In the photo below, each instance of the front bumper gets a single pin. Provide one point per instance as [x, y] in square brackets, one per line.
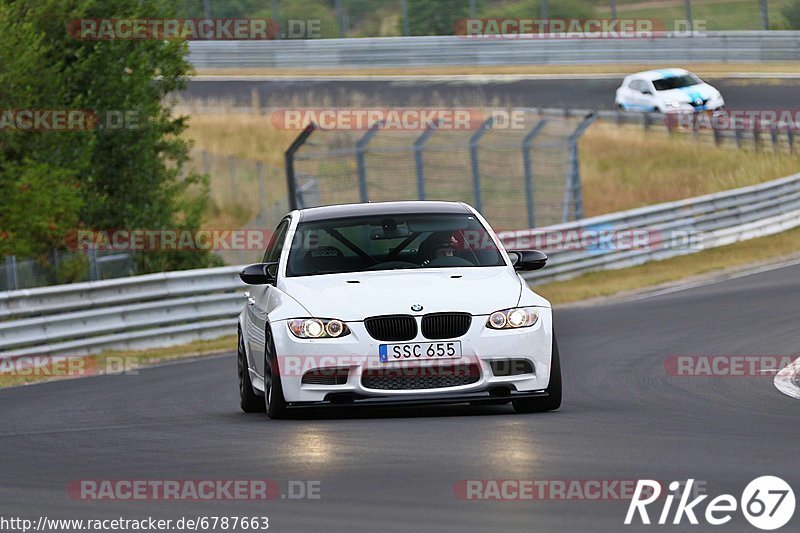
[487, 397]
[359, 353]
[712, 104]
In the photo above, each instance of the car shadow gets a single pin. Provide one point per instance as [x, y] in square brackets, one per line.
[371, 412]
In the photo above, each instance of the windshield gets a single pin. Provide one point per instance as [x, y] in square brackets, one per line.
[391, 242]
[676, 82]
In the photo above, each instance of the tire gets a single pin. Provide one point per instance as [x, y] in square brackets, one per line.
[273, 389]
[249, 400]
[553, 399]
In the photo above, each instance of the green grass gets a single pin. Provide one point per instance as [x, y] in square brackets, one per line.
[718, 14]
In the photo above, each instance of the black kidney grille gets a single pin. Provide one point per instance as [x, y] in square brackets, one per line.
[445, 325]
[415, 378]
[391, 327]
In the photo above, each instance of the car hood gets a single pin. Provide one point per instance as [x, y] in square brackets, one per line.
[355, 296]
[686, 95]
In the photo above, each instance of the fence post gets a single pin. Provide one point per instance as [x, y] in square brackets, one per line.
[738, 133]
[262, 195]
[361, 148]
[288, 158]
[419, 164]
[773, 132]
[717, 134]
[11, 272]
[232, 176]
[687, 12]
[790, 138]
[255, 101]
[527, 143]
[54, 261]
[574, 193]
[91, 255]
[473, 156]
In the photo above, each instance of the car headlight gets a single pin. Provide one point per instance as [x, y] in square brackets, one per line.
[318, 328]
[673, 103]
[516, 317]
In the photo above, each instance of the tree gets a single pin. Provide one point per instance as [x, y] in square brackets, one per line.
[56, 181]
[792, 13]
[435, 17]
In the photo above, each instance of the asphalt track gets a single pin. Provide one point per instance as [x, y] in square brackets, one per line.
[596, 94]
[623, 418]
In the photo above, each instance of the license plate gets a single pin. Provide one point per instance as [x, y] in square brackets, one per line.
[420, 351]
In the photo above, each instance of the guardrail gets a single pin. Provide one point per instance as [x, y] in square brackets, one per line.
[175, 307]
[401, 52]
[663, 230]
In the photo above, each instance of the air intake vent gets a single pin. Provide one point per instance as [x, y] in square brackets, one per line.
[445, 325]
[415, 378]
[511, 367]
[391, 327]
[325, 376]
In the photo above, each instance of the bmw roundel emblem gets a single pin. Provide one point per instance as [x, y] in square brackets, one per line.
[416, 307]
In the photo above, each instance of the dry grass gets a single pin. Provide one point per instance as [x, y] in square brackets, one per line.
[245, 135]
[248, 137]
[133, 359]
[610, 282]
[623, 168]
[702, 69]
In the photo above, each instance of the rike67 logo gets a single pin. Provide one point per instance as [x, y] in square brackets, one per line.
[767, 503]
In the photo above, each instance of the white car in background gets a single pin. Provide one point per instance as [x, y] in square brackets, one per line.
[394, 303]
[667, 91]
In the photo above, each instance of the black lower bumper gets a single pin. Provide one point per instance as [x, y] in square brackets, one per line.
[356, 400]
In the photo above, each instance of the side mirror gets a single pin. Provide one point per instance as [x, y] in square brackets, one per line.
[259, 274]
[527, 259]
[647, 91]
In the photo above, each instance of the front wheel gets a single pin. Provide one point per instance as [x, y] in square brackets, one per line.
[273, 389]
[553, 399]
[249, 400]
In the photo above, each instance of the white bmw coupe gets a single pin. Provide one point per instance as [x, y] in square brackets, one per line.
[399, 303]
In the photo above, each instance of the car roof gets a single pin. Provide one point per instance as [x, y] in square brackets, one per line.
[330, 212]
[660, 73]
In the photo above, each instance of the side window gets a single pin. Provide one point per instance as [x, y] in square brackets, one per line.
[637, 85]
[275, 246]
